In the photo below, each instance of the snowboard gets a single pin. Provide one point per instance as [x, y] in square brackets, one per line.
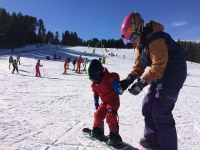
[104, 140]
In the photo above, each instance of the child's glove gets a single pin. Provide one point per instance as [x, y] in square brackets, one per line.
[137, 87]
[126, 82]
[96, 101]
[116, 86]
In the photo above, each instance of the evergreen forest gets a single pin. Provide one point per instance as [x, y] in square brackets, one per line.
[17, 30]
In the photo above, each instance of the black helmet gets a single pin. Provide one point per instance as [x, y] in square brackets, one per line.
[94, 70]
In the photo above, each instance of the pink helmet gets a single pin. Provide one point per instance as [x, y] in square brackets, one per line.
[132, 26]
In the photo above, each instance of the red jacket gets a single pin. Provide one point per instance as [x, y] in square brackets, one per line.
[54, 55]
[38, 65]
[104, 89]
[65, 64]
[79, 60]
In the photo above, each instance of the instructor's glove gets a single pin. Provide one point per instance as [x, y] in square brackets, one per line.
[137, 87]
[126, 82]
[117, 87]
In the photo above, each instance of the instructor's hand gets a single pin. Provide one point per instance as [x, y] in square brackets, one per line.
[137, 87]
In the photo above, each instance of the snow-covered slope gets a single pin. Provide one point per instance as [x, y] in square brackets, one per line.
[49, 112]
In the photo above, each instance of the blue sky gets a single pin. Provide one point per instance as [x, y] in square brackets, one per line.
[103, 18]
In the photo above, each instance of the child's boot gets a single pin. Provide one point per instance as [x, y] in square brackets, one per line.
[97, 133]
[114, 139]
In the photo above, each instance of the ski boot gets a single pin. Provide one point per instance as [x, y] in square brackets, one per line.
[144, 143]
[114, 139]
[97, 133]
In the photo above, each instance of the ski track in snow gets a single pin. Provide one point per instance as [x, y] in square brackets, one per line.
[48, 113]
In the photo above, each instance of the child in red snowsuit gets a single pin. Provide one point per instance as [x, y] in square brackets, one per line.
[78, 61]
[54, 56]
[37, 66]
[106, 86]
[65, 66]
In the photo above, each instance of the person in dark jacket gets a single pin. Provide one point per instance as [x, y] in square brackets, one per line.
[167, 74]
[10, 61]
[106, 86]
[48, 58]
[68, 59]
[15, 66]
[74, 63]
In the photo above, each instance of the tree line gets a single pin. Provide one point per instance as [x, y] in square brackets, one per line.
[17, 30]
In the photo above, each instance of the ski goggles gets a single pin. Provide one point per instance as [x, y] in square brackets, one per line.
[133, 37]
[95, 78]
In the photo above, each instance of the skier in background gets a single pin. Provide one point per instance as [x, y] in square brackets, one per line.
[37, 68]
[18, 59]
[10, 61]
[69, 59]
[15, 66]
[74, 63]
[65, 66]
[155, 49]
[84, 64]
[78, 62]
[54, 56]
[106, 86]
[48, 58]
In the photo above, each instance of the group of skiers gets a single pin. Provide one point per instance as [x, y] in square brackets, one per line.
[14, 63]
[76, 63]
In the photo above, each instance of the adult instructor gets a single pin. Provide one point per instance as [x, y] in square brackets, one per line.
[167, 73]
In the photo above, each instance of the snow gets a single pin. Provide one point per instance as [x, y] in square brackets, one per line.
[48, 113]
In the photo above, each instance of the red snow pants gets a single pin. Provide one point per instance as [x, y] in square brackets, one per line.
[37, 71]
[102, 113]
[78, 68]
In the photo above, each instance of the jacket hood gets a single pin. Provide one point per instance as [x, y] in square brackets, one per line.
[156, 27]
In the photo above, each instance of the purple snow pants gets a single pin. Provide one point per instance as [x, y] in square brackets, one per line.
[157, 109]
